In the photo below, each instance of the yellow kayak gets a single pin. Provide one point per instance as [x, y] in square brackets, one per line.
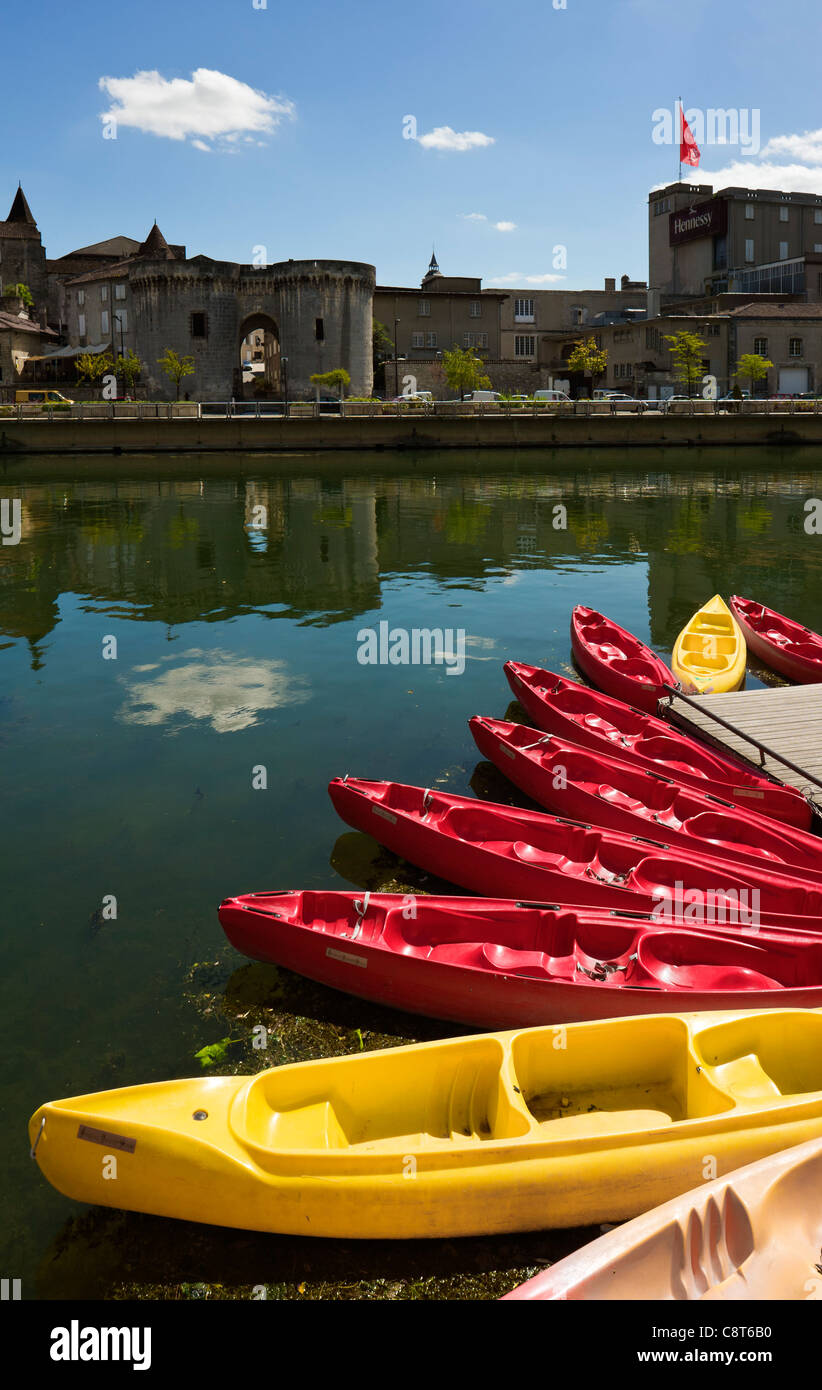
[710, 652]
[517, 1131]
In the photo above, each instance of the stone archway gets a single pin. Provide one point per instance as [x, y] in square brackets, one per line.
[259, 371]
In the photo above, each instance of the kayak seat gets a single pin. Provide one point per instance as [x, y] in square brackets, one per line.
[713, 964]
[762, 1055]
[530, 854]
[511, 962]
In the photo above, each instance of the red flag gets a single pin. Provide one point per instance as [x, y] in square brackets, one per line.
[688, 148]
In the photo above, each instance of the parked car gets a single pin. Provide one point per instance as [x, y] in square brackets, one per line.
[413, 396]
[551, 396]
[43, 396]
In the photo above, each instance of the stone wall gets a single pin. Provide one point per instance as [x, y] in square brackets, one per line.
[524, 377]
[294, 294]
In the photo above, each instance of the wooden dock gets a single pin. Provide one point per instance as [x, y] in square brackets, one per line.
[787, 720]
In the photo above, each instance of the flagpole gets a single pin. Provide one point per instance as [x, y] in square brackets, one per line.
[679, 140]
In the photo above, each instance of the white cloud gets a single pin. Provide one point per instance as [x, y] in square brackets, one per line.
[228, 692]
[444, 138]
[802, 174]
[505, 226]
[473, 216]
[211, 106]
[516, 278]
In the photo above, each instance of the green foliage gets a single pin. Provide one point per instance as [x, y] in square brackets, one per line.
[463, 371]
[176, 367]
[686, 350]
[338, 377]
[214, 1053]
[752, 367]
[589, 359]
[93, 366]
[19, 291]
[382, 342]
[128, 368]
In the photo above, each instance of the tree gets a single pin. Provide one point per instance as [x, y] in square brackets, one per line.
[176, 367]
[463, 371]
[93, 366]
[589, 359]
[686, 350]
[382, 342]
[129, 368]
[19, 291]
[338, 377]
[752, 366]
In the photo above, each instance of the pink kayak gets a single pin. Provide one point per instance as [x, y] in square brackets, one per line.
[589, 786]
[617, 662]
[503, 851]
[586, 717]
[784, 645]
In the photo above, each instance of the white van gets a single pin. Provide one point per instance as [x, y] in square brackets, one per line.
[551, 396]
[486, 396]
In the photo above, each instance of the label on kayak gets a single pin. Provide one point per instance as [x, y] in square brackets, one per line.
[509, 752]
[346, 957]
[105, 1137]
[749, 791]
[386, 815]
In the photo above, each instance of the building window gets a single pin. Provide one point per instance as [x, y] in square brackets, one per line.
[104, 322]
[81, 324]
[198, 325]
[749, 249]
[524, 346]
[424, 307]
[119, 291]
[817, 216]
[104, 294]
[431, 340]
[477, 340]
[795, 347]
[476, 309]
[121, 319]
[319, 330]
[761, 347]
[81, 297]
[524, 310]
[749, 212]
[783, 250]
[783, 214]
[417, 340]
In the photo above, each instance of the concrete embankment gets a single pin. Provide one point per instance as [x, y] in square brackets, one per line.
[273, 435]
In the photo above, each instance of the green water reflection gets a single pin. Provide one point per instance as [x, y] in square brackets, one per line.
[236, 647]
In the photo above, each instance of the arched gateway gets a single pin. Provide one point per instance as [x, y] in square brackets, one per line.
[318, 314]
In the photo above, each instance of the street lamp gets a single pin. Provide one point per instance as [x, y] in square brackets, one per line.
[118, 319]
[396, 362]
[284, 365]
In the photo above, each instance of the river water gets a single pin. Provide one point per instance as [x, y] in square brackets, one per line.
[236, 646]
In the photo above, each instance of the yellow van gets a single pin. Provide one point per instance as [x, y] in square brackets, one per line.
[43, 396]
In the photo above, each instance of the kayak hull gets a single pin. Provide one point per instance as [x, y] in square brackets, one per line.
[779, 642]
[756, 1233]
[594, 720]
[710, 655]
[616, 661]
[498, 964]
[503, 851]
[497, 1132]
[589, 786]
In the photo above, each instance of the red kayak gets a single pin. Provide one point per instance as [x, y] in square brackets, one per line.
[589, 786]
[618, 662]
[499, 964]
[787, 647]
[590, 719]
[503, 851]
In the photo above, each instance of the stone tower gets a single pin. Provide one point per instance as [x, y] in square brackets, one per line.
[22, 255]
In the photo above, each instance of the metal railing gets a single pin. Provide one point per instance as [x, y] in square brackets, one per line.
[301, 410]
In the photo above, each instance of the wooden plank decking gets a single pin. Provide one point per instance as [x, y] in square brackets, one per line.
[787, 719]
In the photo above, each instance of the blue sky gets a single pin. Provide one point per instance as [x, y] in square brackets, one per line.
[295, 142]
